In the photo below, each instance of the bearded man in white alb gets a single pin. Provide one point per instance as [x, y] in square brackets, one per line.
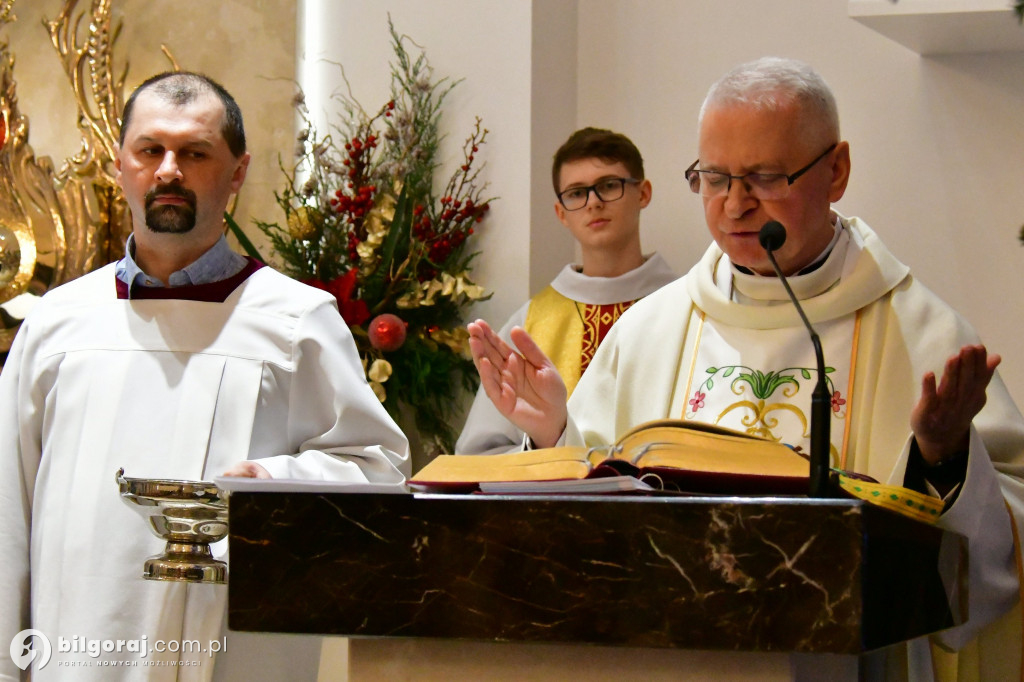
[183, 360]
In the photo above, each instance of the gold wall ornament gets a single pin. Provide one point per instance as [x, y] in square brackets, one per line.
[98, 222]
[58, 225]
[31, 221]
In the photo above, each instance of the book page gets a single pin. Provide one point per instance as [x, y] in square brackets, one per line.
[678, 445]
[608, 484]
[533, 465]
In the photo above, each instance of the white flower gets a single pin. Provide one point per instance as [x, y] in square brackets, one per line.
[367, 250]
[379, 391]
[380, 370]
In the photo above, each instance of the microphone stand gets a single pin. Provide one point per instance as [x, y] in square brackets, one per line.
[821, 400]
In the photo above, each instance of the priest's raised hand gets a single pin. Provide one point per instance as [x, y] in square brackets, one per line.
[525, 386]
[941, 420]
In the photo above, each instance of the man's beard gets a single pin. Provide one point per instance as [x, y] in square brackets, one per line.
[171, 218]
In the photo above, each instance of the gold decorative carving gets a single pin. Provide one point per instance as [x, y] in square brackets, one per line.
[58, 225]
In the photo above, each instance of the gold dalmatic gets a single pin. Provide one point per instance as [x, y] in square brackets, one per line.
[58, 225]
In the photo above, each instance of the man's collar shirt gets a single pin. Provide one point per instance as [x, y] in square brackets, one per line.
[217, 264]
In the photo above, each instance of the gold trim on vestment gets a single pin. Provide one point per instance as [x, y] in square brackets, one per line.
[848, 422]
[555, 324]
[693, 357]
[1020, 578]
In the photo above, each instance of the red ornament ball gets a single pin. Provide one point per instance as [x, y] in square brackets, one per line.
[387, 332]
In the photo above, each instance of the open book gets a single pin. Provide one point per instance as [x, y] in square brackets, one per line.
[668, 454]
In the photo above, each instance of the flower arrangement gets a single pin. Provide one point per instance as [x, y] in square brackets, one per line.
[363, 222]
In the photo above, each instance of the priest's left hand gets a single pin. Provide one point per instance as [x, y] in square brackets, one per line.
[942, 418]
[247, 469]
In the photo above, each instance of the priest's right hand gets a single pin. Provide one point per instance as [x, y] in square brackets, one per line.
[525, 386]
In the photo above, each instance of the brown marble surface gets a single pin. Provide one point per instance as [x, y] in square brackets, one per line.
[751, 574]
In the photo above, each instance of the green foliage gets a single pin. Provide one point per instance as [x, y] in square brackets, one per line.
[362, 221]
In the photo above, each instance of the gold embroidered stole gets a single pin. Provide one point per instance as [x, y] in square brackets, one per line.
[569, 332]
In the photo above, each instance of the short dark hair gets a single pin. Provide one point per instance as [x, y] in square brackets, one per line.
[598, 143]
[184, 87]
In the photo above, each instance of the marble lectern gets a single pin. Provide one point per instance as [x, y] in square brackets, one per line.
[771, 575]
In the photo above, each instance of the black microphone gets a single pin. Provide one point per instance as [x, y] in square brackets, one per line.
[772, 236]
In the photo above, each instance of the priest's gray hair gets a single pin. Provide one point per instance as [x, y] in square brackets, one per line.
[772, 83]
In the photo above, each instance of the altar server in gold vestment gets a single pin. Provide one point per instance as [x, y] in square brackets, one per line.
[915, 397]
[600, 190]
[184, 360]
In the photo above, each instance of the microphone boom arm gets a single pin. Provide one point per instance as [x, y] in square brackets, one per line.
[821, 400]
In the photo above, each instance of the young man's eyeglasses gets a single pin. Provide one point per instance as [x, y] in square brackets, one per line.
[764, 186]
[609, 189]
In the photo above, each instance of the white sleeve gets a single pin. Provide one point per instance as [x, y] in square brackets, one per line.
[979, 514]
[341, 429]
[486, 431]
[19, 460]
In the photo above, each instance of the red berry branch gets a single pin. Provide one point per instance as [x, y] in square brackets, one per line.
[365, 223]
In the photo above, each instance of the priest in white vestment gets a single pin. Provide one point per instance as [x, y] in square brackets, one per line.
[185, 361]
[725, 345]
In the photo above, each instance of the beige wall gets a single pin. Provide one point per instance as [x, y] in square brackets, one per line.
[937, 147]
[247, 45]
[936, 141]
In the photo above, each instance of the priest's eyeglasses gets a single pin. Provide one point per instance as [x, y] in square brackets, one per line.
[763, 186]
[609, 189]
